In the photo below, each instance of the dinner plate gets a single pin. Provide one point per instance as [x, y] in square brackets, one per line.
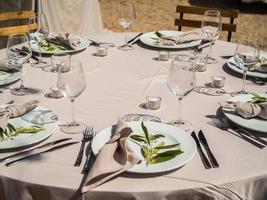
[34, 45]
[256, 124]
[172, 135]
[231, 63]
[23, 140]
[147, 38]
[9, 77]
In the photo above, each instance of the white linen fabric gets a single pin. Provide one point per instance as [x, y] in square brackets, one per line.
[82, 17]
[116, 85]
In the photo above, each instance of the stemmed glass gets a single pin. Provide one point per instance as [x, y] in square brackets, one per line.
[181, 81]
[126, 16]
[38, 35]
[19, 52]
[71, 83]
[211, 27]
[247, 54]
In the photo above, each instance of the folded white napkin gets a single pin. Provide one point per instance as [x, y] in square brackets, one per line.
[247, 109]
[114, 158]
[189, 36]
[66, 39]
[261, 66]
[13, 111]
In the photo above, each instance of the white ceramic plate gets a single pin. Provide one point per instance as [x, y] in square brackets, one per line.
[172, 135]
[256, 124]
[30, 138]
[146, 38]
[9, 77]
[231, 63]
[83, 45]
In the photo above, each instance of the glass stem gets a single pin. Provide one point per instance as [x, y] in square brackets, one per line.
[126, 36]
[210, 50]
[21, 79]
[179, 120]
[73, 122]
[244, 81]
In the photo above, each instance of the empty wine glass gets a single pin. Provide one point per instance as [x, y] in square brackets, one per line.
[211, 27]
[19, 52]
[247, 55]
[71, 83]
[38, 35]
[126, 16]
[181, 81]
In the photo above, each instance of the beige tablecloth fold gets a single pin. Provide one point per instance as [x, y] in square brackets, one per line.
[12, 111]
[249, 110]
[114, 158]
[189, 36]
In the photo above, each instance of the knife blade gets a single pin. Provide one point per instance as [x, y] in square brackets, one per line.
[204, 142]
[131, 40]
[32, 156]
[203, 157]
[34, 149]
[89, 160]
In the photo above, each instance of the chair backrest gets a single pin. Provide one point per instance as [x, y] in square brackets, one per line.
[19, 21]
[231, 14]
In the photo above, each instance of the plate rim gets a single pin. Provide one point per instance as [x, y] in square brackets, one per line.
[17, 73]
[135, 123]
[229, 116]
[36, 140]
[240, 71]
[195, 43]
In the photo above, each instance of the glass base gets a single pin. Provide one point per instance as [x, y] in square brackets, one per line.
[212, 60]
[125, 47]
[21, 91]
[73, 127]
[49, 68]
[185, 125]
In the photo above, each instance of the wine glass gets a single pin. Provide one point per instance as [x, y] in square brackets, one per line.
[247, 55]
[71, 83]
[39, 35]
[211, 27]
[126, 16]
[19, 52]
[181, 81]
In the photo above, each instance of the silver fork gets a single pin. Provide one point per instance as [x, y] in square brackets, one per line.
[241, 133]
[87, 136]
[90, 156]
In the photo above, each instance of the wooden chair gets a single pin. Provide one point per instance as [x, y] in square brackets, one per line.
[230, 27]
[19, 21]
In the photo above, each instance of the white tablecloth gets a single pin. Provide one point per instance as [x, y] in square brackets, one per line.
[117, 85]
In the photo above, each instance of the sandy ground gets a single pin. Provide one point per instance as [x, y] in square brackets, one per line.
[160, 15]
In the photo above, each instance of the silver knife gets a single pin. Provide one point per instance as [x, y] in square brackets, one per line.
[34, 149]
[32, 156]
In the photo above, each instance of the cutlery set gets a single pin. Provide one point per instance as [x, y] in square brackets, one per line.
[239, 132]
[88, 135]
[30, 154]
[201, 139]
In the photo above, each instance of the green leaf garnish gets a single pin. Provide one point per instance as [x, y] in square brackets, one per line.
[145, 132]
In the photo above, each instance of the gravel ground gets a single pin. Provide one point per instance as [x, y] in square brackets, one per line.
[160, 15]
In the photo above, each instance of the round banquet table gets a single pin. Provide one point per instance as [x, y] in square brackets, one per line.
[117, 85]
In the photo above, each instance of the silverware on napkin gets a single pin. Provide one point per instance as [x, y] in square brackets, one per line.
[32, 156]
[203, 157]
[205, 144]
[33, 149]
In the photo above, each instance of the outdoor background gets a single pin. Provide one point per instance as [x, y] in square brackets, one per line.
[160, 15]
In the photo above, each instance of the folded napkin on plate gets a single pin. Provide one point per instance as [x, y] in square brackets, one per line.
[13, 111]
[67, 40]
[261, 66]
[185, 37]
[247, 109]
[4, 66]
[114, 158]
